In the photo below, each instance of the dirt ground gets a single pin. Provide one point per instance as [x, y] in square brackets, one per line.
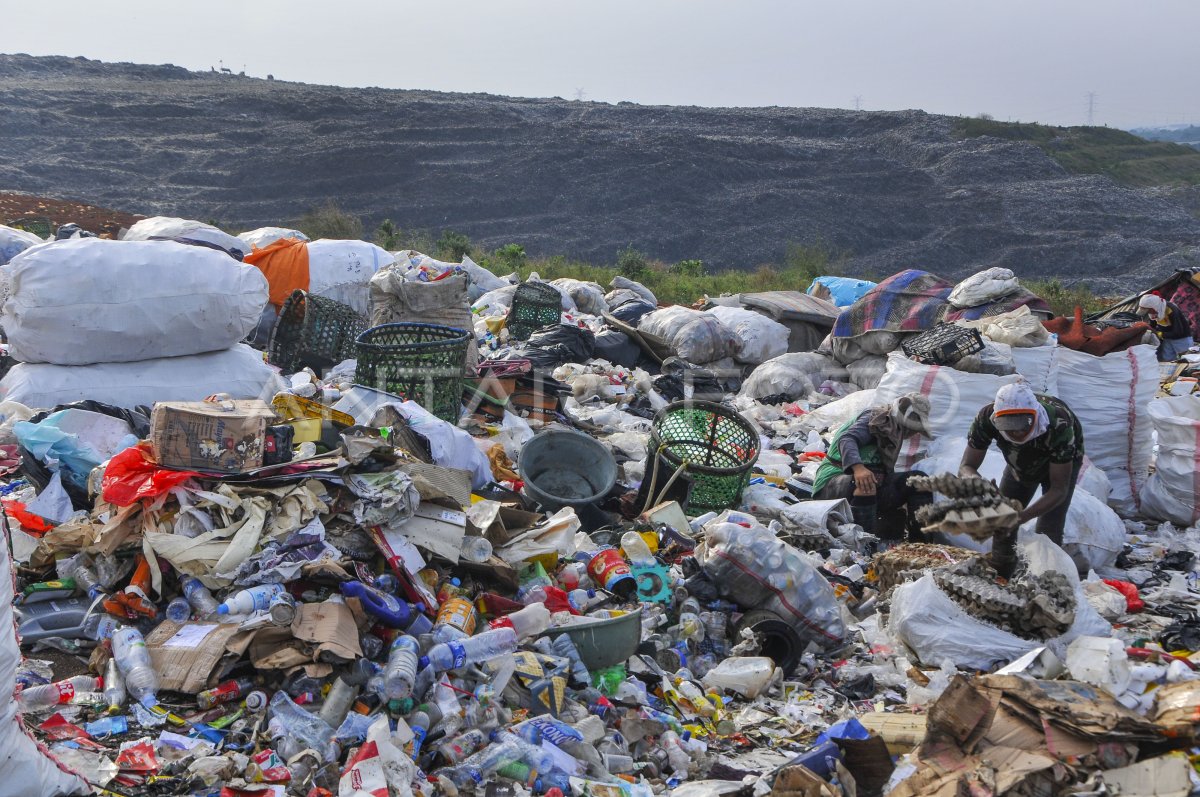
[104, 222]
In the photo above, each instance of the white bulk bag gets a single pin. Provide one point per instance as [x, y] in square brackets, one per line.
[169, 227]
[1110, 395]
[239, 371]
[1171, 491]
[265, 236]
[342, 270]
[26, 769]
[697, 337]
[983, 287]
[14, 241]
[762, 338]
[587, 296]
[89, 300]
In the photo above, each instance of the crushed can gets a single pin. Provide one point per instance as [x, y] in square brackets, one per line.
[282, 609]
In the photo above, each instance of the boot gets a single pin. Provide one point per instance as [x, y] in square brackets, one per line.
[865, 509]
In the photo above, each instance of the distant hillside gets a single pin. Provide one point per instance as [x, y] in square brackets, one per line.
[1188, 135]
[732, 187]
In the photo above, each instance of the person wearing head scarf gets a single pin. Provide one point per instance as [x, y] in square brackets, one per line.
[861, 467]
[1042, 443]
[1169, 324]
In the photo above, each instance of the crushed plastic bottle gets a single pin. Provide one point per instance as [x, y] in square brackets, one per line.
[114, 686]
[198, 596]
[141, 679]
[254, 599]
[302, 730]
[528, 622]
[47, 696]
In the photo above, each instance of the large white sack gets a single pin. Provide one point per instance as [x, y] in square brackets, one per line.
[239, 371]
[342, 270]
[835, 413]
[955, 398]
[1039, 366]
[1171, 491]
[795, 374]
[1110, 395]
[587, 296]
[935, 628]
[169, 227]
[480, 278]
[14, 241]
[696, 337]
[89, 300]
[762, 338]
[983, 287]
[26, 769]
[265, 236]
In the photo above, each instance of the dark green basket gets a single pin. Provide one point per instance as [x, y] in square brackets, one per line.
[535, 305]
[419, 362]
[38, 225]
[719, 446]
[313, 332]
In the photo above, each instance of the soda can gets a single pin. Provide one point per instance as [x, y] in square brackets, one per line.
[282, 609]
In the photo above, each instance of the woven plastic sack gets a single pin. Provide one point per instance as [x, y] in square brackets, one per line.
[168, 227]
[696, 337]
[867, 372]
[983, 287]
[794, 375]
[27, 769]
[89, 300]
[445, 303]
[1172, 493]
[14, 241]
[342, 270]
[761, 338]
[239, 371]
[263, 237]
[481, 280]
[624, 283]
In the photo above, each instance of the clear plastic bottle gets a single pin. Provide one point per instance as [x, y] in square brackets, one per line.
[636, 550]
[527, 622]
[179, 610]
[716, 631]
[39, 698]
[483, 763]
[302, 729]
[462, 746]
[419, 723]
[401, 671]
[563, 646]
[201, 600]
[253, 599]
[114, 686]
[677, 755]
[485, 646]
[141, 679]
[79, 568]
[475, 549]
[338, 702]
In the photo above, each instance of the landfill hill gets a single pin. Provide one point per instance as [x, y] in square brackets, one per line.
[731, 186]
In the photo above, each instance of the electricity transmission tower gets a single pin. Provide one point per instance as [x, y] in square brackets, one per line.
[1091, 107]
[858, 102]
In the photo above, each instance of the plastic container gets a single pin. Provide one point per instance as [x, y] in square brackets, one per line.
[47, 696]
[227, 692]
[534, 305]
[715, 446]
[564, 468]
[458, 654]
[179, 610]
[253, 599]
[636, 550]
[85, 578]
[114, 686]
[475, 549]
[303, 729]
[141, 679]
[401, 671]
[313, 332]
[424, 363]
[609, 569]
[455, 751]
[65, 619]
[201, 600]
[604, 643]
[528, 622]
[390, 610]
[338, 702]
[455, 620]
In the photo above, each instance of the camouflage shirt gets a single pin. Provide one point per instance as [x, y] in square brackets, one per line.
[1062, 443]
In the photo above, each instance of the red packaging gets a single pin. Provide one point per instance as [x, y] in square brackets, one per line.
[268, 767]
[607, 567]
[138, 758]
[490, 604]
[1133, 602]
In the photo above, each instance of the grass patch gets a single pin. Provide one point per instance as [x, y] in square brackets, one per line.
[1063, 299]
[1126, 158]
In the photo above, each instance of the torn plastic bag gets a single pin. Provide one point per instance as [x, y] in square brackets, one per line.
[14, 241]
[133, 475]
[552, 346]
[696, 337]
[449, 446]
[983, 287]
[681, 380]
[761, 338]
[588, 296]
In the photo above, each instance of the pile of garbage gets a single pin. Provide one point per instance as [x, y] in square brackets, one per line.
[296, 517]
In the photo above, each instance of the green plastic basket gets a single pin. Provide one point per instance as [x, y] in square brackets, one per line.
[38, 225]
[315, 332]
[535, 305]
[419, 362]
[718, 446]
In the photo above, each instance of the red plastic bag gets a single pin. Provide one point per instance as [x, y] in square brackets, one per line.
[133, 476]
[1133, 603]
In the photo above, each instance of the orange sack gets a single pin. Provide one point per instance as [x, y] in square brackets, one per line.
[285, 265]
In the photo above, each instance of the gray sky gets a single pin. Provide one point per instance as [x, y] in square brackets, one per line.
[1015, 59]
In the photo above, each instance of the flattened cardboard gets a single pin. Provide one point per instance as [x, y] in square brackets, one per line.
[222, 437]
[329, 628]
[187, 667]
[963, 712]
[1165, 776]
[436, 528]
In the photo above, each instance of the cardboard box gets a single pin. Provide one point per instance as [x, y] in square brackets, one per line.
[225, 437]
[185, 655]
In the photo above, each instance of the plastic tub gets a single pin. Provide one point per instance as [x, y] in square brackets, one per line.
[564, 468]
[604, 643]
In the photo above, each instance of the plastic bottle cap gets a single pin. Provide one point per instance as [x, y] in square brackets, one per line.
[222, 609]
[422, 662]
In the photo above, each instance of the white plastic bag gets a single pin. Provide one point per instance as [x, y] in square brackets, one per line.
[265, 236]
[26, 769]
[1171, 491]
[449, 446]
[698, 338]
[836, 413]
[14, 241]
[170, 227]
[90, 300]
[867, 372]
[761, 338]
[1018, 328]
[623, 283]
[341, 270]
[239, 371]
[795, 374]
[1110, 396]
[588, 296]
[983, 287]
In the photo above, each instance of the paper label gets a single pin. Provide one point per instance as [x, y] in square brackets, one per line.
[190, 636]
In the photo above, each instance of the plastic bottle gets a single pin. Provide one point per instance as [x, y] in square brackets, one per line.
[475, 549]
[114, 686]
[419, 724]
[584, 599]
[572, 576]
[141, 679]
[201, 600]
[636, 550]
[401, 671]
[227, 692]
[478, 766]
[677, 755]
[528, 622]
[252, 599]
[338, 702]
[37, 698]
[458, 749]
[303, 729]
[455, 620]
[696, 698]
[390, 610]
[77, 568]
[107, 726]
[179, 610]
[454, 655]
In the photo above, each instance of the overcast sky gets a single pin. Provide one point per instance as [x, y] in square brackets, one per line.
[1022, 60]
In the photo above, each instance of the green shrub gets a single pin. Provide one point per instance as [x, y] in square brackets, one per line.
[1063, 299]
[452, 246]
[688, 268]
[330, 221]
[510, 257]
[632, 264]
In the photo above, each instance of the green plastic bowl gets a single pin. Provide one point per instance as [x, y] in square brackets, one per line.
[605, 643]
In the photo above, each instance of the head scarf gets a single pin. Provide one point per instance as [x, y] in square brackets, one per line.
[1019, 397]
[1153, 302]
[893, 423]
